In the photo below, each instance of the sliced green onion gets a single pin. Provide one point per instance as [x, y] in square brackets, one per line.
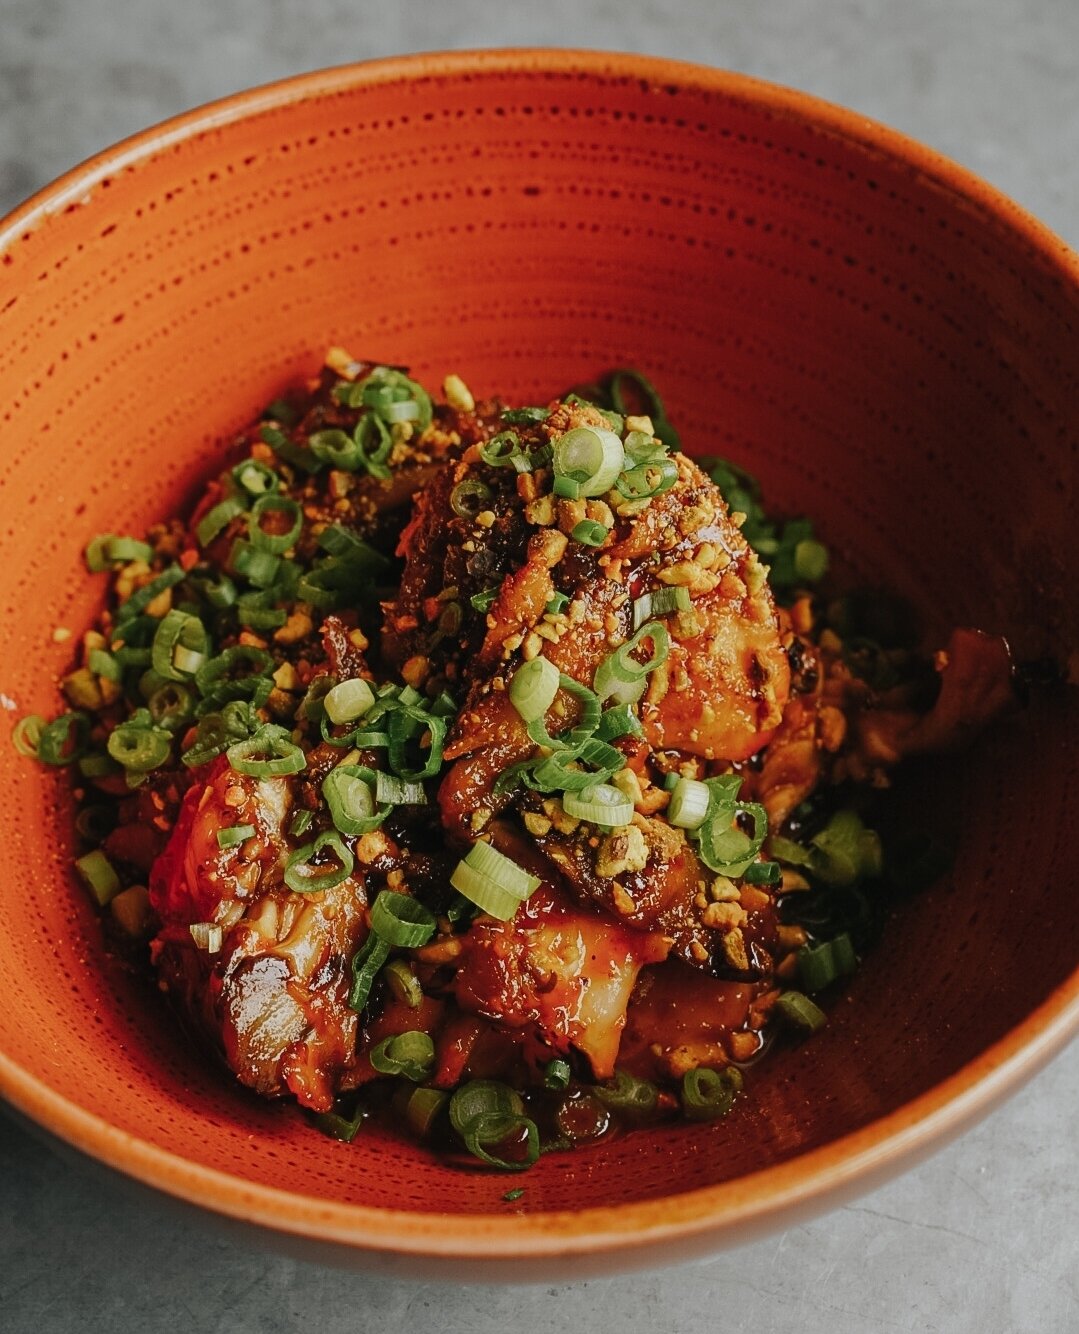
[142, 597]
[104, 664]
[490, 1130]
[402, 729]
[724, 847]
[305, 876]
[274, 542]
[181, 646]
[800, 1012]
[404, 984]
[810, 560]
[26, 734]
[556, 1075]
[648, 479]
[620, 676]
[257, 567]
[343, 1128]
[569, 487]
[218, 589]
[347, 790]
[401, 920]
[108, 551]
[171, 706]
[601, 805]
[498, 890]
[483, 602]
[709, 1094]
[259, 611]
[301, 823]
[366, 964]
[216, 520]
[208, 936]
[423, 1110]
[469, 497]
[390, 394]
[505, 872]
[267, 754]
[409, 1055]
[234, 835]
[337, 448]
[789, 852]
[619, 720]
[224, 676]
[524, 416]
[348, 700]
[288, 450]
[659, 603]
[139, 748]
[396, 791]
[99, 876]
[480, 1097]
[689, 804]
[504, 451]
[626, 1093]
[839, 850]
[533, 688]
[217, 731]
[556, 603]
[255, 478]
[591, 455]
[821, 964]
[96, 766]
[339, 541]
[590, 533]
[763, 873]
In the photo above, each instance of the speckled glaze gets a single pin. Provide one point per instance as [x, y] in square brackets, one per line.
[888, 343]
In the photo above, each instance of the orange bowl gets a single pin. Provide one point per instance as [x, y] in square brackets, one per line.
[887, 342]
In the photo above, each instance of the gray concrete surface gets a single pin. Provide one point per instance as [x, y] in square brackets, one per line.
[982, 1238]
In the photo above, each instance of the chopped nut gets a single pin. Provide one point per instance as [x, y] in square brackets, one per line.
[752, 898]
[723, 916]
[623, 850]
[743, 1046]
[341, 363]
[600, 511]
[689, 574]
[698, 951]
[540, 512]
[791, 937]
[298, 626]
[285, 677]
[624, 902]
[531, 646]
[536, 824]
[734, 948]
[160, 606]
[61, 634]
[641, 423]
[440, 951]
[371, 846]
[457, 394]
[570, 514]
[831, 728]
[565, 824]
[486, 518]
[416, 670]
[724, 890]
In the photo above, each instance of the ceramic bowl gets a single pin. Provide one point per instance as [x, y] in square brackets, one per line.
[891, 345]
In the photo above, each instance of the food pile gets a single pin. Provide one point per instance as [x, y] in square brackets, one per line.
[498, 770]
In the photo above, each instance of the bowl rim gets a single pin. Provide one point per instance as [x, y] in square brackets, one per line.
[668, 1227]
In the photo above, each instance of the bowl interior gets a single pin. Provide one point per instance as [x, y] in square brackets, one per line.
[872, 334]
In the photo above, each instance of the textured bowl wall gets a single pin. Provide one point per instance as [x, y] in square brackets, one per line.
[878, 336]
